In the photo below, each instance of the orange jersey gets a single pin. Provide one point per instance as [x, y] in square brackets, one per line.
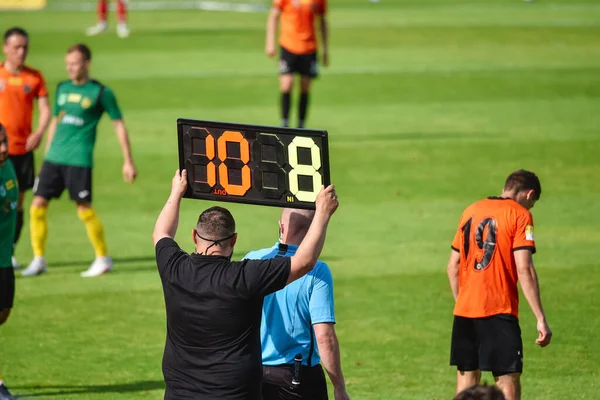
[488, 233]
[17, 93]
[297, 32]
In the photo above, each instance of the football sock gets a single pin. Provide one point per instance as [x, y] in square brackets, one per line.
[122, 11]
[95, 230]
[102, 10]
[19, 226]
[39, 230]
[285, 108]
[303, 108]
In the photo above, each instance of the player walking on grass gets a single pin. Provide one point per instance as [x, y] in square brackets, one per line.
[80, 103]
[491, 251]
[20, 85]
[102, 25]
[9, 195]
[298, 43]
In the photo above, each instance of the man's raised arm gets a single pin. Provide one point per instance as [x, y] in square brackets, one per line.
[168, 220]
[310, 249]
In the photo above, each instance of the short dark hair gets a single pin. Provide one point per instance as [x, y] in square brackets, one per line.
[15, 31]
[81, 48]
[216, 223]
[481, 392]
[524, 180]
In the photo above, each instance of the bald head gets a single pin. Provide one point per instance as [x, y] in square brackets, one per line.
[294, 225]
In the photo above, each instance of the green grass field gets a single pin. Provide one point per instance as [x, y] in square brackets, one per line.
[429, 105]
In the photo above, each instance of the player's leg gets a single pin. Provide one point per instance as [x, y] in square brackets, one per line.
[122, 29]
[464, 354]
[466, 379]
[50, 184]
[7, 295]
[7, 291]
[20, 219]
[510, 384]
[79, 185]
[38, 227]
[101, 23]
[4, 393]
[501, 352]
[305, 82]
[95, 230]
[18, 162]
[286, 83]
[25, 169]
[308, 72]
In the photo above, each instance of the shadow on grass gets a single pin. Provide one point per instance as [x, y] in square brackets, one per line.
[59, 390]
[147, 259]
[116, 260]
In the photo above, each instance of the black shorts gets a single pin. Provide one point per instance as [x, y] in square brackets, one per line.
[277, 383]
[55, 178]
[488, 344]
[7, 287]
[303, 64]
[25, 168]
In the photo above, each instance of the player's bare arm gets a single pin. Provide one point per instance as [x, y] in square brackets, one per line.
[51, 131]
[129, 170]
[531, 290]
[329, 350]
[325, 39]
[34, 140]
[310, 249]
[452, 269]
[272, 20]
[168, 220]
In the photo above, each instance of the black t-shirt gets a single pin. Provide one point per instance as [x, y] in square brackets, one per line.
[214, 309]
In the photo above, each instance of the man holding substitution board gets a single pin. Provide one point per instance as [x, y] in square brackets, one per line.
[213, 304]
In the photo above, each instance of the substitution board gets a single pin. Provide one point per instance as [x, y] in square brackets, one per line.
[253, 164]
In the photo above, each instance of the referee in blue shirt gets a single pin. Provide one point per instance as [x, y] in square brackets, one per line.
[297, 326]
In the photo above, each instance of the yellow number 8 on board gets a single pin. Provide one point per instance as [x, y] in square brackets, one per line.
[304, 169]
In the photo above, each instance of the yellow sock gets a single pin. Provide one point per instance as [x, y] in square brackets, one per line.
[39, 229]
[95, 230]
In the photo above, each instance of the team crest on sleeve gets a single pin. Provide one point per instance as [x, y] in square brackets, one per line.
[2, 85]
[529, 232]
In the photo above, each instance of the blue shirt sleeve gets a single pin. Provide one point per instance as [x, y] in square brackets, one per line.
[251, 256]
[321, 301]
